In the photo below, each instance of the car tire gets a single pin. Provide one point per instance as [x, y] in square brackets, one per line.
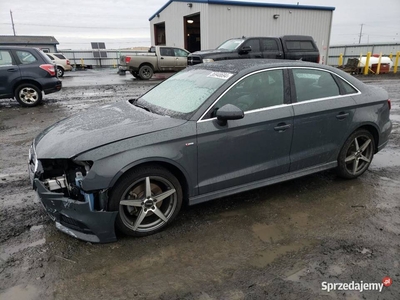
[60, 72]
[356, 154]
[28, 95]
[145, 72]
[155, 195]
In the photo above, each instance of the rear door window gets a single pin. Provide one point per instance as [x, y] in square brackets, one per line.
[25, 57]
[314, 84]
[269, 45]
[5, 58]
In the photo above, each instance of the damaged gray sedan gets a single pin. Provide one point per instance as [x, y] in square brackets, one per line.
[209, 131]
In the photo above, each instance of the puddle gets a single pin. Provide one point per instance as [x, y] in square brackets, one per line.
[386, 158]
[265, 257]
[7, 252]
[267, 233]
[395, 118]
[20, 292]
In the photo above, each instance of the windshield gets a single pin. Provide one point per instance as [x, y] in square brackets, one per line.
[183, 93]
[231, 44]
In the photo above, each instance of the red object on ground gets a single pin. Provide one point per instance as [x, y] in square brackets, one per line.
[384, 68]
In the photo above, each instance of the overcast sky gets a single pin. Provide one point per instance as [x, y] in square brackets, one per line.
[124, 23]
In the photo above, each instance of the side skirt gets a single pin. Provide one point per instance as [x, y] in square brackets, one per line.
[260, 183]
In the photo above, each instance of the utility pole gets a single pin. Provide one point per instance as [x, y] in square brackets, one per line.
[12, 22]
[359, 40]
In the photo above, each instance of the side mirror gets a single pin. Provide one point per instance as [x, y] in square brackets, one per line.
[245, 50]
[229, 112]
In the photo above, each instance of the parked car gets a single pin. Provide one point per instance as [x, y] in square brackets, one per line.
[63, 64]
[209, 131]
[295, 47]
[25, 74]
[158, 59]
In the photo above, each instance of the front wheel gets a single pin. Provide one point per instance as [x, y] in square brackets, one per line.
[28, 94]
[147, 200]
[145, 72]
[356, 154]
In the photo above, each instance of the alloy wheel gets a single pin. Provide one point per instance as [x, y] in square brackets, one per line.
[148, 204]
[28, 95]
[359, 155]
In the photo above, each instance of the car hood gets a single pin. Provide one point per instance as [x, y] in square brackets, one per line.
[211, 51]
[96, 127]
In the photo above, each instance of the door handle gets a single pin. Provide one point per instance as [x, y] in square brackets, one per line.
[342, 115]
[258, 56]
[12, 70]
[281, 127]
[177, 58]
[161, 57]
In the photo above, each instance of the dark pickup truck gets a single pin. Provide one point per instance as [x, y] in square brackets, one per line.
[295, 47]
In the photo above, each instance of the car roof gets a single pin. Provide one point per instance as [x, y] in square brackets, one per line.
[18, 48]
[238, 65]
[244, 66]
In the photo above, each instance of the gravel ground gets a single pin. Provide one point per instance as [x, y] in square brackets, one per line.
[278, 242]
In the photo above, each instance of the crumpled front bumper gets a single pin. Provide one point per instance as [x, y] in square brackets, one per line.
[75, 217]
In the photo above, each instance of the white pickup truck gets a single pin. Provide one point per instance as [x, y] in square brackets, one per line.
[158, 59]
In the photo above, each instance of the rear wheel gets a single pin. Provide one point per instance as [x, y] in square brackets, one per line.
[28, 94]
[147, 200]
[145, 72]
[60, 72]
[356, 154]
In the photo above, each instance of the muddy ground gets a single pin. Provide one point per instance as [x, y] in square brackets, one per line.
[278, 242]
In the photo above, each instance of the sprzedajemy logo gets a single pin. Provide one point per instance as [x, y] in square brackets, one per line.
[356, 286]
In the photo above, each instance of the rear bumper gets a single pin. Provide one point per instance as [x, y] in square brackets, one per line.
[75, 218]
[384, 136]
[53, 87]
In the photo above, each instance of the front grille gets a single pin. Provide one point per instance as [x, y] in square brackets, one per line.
[74, 224]
[194, 60]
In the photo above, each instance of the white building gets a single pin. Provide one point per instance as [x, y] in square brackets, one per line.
[205, 24]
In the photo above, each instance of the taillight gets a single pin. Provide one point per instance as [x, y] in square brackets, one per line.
[68, 63]
[127, 59]
[390, 104]
[49, 68]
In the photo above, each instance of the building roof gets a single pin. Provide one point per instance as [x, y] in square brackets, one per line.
[27, 39]
[243, 3]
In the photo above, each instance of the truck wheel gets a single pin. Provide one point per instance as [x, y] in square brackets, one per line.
[145, 72]
[28, 94]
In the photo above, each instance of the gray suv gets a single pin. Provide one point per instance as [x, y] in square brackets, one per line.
[26, 73]
[209, 131]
